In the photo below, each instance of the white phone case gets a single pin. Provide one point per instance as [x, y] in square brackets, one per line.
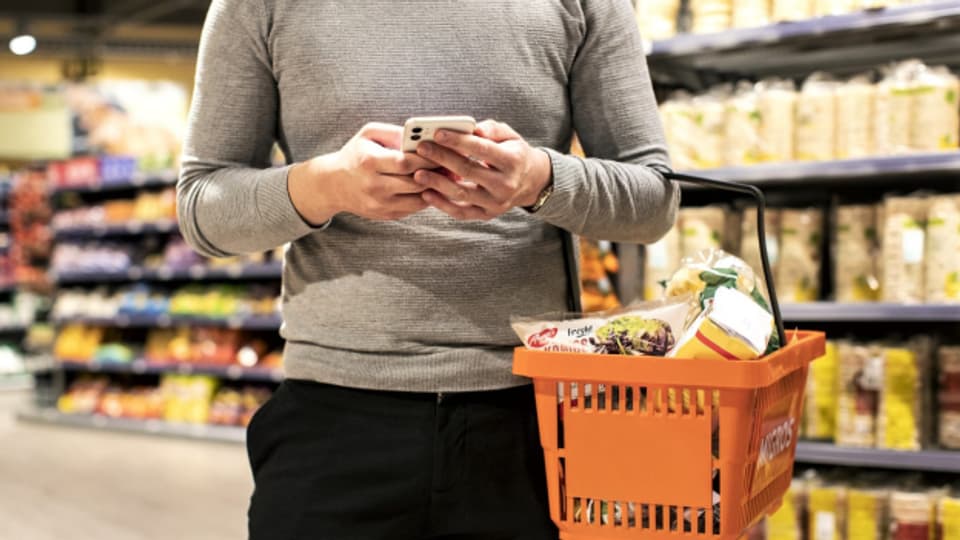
[422, 128]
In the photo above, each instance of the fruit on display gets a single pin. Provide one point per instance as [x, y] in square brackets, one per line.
[148, 206]
[597, 263]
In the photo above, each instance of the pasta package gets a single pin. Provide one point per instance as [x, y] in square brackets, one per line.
[856, 253]
[816, 119]
[866, 515]
[792, 10]
[751, 13]
[936, 117]
[657, 18]
[731, 327]
[912, 515]
[701, 229]
[942, 265]
[711, 15]
[855, 112]
[898, 421]
[798, 270]
[710, 118]
[894, 110]
[777, 102]
[904, 242]
[826, 512]
[661, 259]
[679, 124]
[743, 127]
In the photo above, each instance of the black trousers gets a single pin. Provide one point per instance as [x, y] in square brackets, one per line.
[333, 463]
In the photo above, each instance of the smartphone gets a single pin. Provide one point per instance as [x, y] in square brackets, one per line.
[422, 128]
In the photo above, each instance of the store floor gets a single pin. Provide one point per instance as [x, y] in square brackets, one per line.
[58, 483]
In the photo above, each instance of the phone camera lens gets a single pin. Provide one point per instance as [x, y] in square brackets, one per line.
[415, 138]
[417, 129]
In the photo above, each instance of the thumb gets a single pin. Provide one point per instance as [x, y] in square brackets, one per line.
[496, 131]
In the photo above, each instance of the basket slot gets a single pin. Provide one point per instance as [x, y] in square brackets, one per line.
[574, 396]
[614, 398]
[658, 517]
[674, 519]
[687, 515]
[578, 510]
[587, 396]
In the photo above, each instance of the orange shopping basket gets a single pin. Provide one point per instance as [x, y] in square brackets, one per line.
[663, 448]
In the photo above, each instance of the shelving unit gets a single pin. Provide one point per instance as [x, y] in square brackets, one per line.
[137, 181]
[250, 322]
[140, 367]
[133, 228]
[204, 432]
[271, 270]
[926, 461]
[869, 312]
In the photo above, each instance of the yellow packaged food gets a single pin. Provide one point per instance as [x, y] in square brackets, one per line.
[732, 327]
[821, 399]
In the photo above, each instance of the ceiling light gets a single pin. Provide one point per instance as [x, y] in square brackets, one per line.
[23, 44]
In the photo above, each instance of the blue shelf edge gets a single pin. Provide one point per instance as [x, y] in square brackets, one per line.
[139, 180]
[233, 372]
[818, 453]
[253, 322]
[817, 27]
[133, 228]
[869, 312]
[272, 270]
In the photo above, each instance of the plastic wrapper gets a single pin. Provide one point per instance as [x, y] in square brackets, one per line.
[649, 329]
[855, 113]
[936, 119]
[777, 102]
[856, 254]
[948, 398]
[912, 516]
[710, 118]
[894, 105]
[679, 123]
[942, 279]
[711, 15]
[701, 229]
[834, 7]
[860, 379]
[743, 127]
[732, 326]
[657, 18]
[899, 419]
[904, 242]
[798, 270]
[751, 13]
[820, 414]
[866, 514]
[816, 119]
[791, 10]
[827, 506]
[750, 240]
[660, 260]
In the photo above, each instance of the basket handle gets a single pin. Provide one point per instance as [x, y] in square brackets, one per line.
[757, 195]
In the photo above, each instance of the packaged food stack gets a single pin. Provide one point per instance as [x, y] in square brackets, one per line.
[187, 397]
[711, 15]
[934, 124]
[751, 13]
[826, 511]
[855, 114]
[904, 241]
[948, 519]
[777, 103]
[680, 128]
[866, 514]
[657, 18]
[820, 415]
[942, 276]
[899, 418]
[784, 524]
[949, 397]
[834, 7]
[912, 516]
[798, 269]
[750, 241]
[856, 246]
[742, 133]
[859, 376]
[709, 124]
[815, 119]
[660, 260]
[702, 229]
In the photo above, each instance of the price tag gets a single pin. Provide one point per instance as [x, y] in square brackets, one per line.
[234, 372]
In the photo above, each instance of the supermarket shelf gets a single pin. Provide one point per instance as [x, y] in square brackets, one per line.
[820, 28]
[866, 170]
[829, 454]
[253, 322]
[12, 328]
[271, 270]
[132, 228]
[204, 432]
[870, 312]
[165, 178]
[235, 373]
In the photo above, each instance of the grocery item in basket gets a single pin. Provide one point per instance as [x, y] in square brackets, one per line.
[731, 327]
[820, 420]
[904, 241]
[856, 253]
[660, 260]
[649, 329]
[855, 108]
[949, 397]
[777, 102]
[942, 276]
[860, 379]
[936, 119]
[798, 271]
[816, 116]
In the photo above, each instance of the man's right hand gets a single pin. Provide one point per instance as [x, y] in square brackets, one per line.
[369, 177]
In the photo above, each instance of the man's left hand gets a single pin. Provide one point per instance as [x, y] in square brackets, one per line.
[490, 172]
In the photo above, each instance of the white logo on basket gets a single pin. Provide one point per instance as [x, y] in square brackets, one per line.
[776, 442]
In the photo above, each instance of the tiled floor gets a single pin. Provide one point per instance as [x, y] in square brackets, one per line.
[60, 483]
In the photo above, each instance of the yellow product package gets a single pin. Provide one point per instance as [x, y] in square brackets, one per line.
[826, 505]
[865, 515]
[821, 398]
[898, 424]
[784, 524]
[732, 327]
[948, 518]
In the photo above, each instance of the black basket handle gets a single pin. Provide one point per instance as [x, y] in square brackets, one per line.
[757, 195]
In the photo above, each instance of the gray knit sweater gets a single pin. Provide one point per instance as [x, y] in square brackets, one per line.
[420, 304]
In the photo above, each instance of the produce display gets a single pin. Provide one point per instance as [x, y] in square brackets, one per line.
[148, 206]
[598, 263]
[191, 399]
[911, 108]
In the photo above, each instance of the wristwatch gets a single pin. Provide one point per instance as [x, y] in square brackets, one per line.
[541, 199]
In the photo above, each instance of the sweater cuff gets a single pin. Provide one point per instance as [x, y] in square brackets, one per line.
[567, 172]
[277, 209]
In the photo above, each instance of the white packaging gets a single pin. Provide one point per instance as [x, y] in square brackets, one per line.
[701, 229]
[710, 115]
[751, 13]
[894, 106]
[936, 118]
[743, 127]
[856, 250]
[777, 102]
[657, 19]
[855, 112]
[942, 276]
[904, 249]
[679, 124]
[816, 120]
[711, 16]
[798, 271]
[792, 10]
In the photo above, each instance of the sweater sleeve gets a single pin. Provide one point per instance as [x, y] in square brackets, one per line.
[617, 193]
[228, 199]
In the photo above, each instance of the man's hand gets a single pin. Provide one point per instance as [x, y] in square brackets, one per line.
[369, 177]
[490, 172]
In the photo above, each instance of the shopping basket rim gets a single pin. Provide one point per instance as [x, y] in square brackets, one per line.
[802, 348]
